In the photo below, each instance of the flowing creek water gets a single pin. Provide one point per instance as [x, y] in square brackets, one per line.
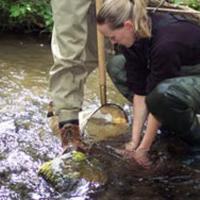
[26, 141]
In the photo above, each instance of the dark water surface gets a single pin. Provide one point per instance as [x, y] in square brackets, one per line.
[26, 140]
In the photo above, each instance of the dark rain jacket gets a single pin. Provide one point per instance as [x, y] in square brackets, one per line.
[172, 51]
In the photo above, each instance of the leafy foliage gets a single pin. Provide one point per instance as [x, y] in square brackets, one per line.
[191, 3]
[29, 15]
[36, 15]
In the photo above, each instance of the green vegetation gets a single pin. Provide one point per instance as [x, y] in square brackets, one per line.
[25, 15]
[191, 3]
[36, 15]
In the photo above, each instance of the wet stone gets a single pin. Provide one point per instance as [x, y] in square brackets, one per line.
[68, 171]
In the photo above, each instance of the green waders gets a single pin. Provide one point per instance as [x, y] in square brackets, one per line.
[117, 73]
[175, 102]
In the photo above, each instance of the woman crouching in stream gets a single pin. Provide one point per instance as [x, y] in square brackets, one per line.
[161, 60]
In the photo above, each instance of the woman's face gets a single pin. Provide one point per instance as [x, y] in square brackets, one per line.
[124, 36]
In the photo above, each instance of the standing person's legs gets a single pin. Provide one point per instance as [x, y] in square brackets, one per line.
[69, 41]
[175, 103]
[70, 51]
[91, 45]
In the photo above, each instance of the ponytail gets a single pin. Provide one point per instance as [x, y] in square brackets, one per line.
[116, 12]
[141, 19]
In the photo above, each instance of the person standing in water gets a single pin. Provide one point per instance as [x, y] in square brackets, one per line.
[75, 56]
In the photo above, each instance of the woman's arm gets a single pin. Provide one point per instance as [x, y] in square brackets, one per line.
[152, 126]
[141, 153]
[139, 117]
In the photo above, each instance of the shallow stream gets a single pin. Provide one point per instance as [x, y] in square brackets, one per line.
[26, 140]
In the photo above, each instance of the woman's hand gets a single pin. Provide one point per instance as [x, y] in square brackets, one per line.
[141, 157]
[141, 153]
[131, 146]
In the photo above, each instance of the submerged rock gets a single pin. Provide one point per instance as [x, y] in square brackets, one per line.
[68, 171]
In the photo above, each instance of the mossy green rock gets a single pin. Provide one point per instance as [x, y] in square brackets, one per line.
[67, 170]
[78, 156]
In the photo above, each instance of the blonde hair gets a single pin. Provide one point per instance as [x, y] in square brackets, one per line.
[116, 12]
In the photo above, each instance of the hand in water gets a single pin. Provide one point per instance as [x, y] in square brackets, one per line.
[142, 158]
[139, 155]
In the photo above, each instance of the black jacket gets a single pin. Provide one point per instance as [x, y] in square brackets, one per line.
[175, 42]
